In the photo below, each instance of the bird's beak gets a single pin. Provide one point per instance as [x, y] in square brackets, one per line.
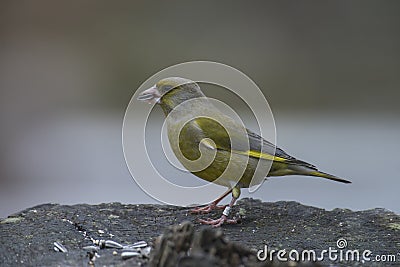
[151, 95]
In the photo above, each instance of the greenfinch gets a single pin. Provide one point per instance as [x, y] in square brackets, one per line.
[190, 134]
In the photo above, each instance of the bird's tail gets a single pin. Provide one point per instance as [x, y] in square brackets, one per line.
[311, 170]
[317, 173]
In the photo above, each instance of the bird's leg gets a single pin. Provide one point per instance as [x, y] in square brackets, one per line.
[212, 206]
[224, 217]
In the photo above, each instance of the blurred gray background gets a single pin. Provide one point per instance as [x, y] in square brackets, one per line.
[330, 71]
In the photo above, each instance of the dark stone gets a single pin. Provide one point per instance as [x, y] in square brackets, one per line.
[27, 237]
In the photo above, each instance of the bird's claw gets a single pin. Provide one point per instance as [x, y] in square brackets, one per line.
[218, 222]
[206, 209]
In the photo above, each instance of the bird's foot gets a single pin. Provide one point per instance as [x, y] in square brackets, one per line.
[218, 222]
[206, 209]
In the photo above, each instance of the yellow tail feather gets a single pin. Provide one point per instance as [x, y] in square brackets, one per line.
[328, 176]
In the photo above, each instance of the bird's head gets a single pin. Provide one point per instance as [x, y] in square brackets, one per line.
[170, 92]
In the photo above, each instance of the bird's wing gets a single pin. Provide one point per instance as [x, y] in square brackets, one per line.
[267, 147]
[236, 141]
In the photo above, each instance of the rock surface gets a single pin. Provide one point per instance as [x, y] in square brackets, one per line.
[27, 237]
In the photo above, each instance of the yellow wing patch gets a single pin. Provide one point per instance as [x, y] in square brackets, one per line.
[260, 155]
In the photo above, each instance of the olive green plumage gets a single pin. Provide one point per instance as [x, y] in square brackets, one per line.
[239, 145]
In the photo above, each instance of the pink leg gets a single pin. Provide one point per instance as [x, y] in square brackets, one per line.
[224, 217]
[212, 206]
